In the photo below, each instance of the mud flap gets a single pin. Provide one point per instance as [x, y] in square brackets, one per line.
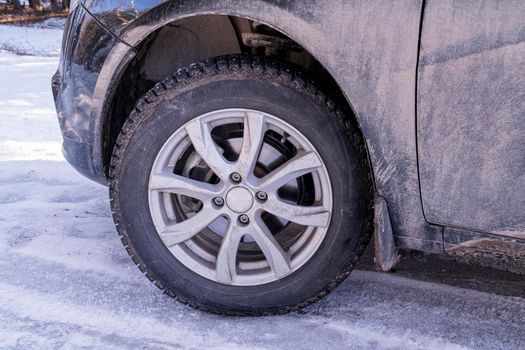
[386, 251]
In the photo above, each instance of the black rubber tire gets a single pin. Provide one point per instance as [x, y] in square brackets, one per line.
[243, 81]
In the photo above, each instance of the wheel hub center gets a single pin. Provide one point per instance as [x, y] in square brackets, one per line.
[239, 199]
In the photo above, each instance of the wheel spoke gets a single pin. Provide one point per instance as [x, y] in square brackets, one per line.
[179, 232]
[299, 165]
[315, 215]
[278, 259]
[226, 258]
[254, 129]
[166, 181]
[200, 136]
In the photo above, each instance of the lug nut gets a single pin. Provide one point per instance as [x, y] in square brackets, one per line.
[218, 201]
[236, 177]
[244, 219]
[262, 196]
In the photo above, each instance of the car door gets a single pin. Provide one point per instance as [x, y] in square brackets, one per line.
[471, 115]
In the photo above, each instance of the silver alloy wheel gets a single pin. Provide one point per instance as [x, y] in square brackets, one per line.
[240, 197]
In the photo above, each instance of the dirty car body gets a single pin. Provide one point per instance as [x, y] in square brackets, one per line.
[436, 88]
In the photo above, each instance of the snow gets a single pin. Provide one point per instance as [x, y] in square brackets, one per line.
[66, 282]
[32, 40]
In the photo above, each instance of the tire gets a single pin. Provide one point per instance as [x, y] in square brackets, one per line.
[273, 90]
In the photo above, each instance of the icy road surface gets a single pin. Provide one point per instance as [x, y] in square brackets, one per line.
[67, 283]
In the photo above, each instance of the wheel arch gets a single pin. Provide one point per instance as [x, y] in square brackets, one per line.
[138, 49]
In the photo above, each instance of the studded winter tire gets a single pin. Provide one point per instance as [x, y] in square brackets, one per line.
[239, 188]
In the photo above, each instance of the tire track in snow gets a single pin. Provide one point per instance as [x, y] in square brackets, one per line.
[47, 308]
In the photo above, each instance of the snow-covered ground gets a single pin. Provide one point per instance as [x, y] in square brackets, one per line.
[42, 39]
[67, 283]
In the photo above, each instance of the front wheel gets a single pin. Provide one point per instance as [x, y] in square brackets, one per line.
[238, 190]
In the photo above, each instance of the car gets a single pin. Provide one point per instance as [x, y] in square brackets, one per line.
[252, 149]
